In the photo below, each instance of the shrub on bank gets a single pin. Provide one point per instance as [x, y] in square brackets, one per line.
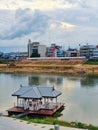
[54, 121]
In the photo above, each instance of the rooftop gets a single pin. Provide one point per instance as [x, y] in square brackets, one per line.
[36, 92]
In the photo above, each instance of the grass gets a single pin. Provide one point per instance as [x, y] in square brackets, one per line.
[91, 62]
[3, 62]
[54, 121]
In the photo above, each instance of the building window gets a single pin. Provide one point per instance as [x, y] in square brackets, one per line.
[35, 50]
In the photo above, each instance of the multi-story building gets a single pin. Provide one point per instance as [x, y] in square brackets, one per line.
[72, 52]
[36, 50]
[54, 51]
[87, 50]
[95, 53]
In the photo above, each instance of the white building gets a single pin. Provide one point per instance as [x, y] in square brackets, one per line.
[95, 52]
[87, 50]
[36, 50]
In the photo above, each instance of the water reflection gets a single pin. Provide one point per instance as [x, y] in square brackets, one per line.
[17, 75]
[45, 79]
[88, 81]
[33, 80]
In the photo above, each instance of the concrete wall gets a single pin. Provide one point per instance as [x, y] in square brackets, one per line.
[42, 50]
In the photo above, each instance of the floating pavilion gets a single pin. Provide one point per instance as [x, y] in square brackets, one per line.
[36, 100]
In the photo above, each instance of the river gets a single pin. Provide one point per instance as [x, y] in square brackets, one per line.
[80, 94]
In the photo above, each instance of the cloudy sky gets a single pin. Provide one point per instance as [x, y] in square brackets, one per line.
[65, 22]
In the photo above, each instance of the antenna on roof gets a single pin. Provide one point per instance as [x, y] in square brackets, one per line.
[20, 85]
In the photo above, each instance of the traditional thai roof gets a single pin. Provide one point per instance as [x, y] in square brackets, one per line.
[37, 92]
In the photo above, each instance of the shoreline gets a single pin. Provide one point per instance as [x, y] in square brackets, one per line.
[9, 123]
[15, 123]
[50, 68]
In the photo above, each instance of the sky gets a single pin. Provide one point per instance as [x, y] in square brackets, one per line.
[68, 23]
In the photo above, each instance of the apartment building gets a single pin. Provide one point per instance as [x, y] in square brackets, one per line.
[87, 50]
[55, 51]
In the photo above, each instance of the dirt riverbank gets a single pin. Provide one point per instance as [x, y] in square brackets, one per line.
[56, 67]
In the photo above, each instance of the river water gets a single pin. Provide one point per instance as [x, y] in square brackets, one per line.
[80, 94]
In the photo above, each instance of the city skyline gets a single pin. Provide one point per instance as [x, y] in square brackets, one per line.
[64, 22]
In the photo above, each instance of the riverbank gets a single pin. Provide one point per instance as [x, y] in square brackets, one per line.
[7, 123]
[75, 67]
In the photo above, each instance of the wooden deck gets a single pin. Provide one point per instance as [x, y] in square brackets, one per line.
[42, 111]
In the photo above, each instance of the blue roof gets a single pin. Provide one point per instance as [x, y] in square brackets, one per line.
[49, 92]
[33, 93]
[37, 92]
[21, 91]
[45, 91]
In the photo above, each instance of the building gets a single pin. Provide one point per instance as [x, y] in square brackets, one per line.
[54, 51]
[22, 55]
[87, 50]
[95, 54]
[15, 55]
[36, 50]
[72, 52]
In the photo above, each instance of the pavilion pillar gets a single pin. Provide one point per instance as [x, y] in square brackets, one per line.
[56, 99]
[17, 101]
[44, 100]
[47, 100]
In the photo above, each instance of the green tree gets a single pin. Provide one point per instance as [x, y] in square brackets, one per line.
[35, 55]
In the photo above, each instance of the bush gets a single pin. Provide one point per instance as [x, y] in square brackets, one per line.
[51, 129]
[80, 125]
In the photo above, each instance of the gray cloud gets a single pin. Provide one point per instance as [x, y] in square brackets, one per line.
[77, 16]
[84, 3]
[26, 22]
